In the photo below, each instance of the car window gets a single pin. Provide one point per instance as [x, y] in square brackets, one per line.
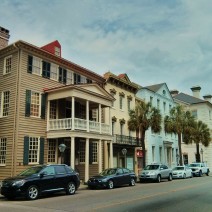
[165, 167]
[126, 170]
[179, 168]
[120, 171]
[31, 171]
[69, 169]
[151, 167]
[60, 170]
[49, 170]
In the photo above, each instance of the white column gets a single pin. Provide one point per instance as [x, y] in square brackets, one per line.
[86, 159]
[73, 152]
[111, 154]
[100, 156]
[110, 121]
[48, 112]
[87, 114]
[106, 155]
[100, 119]
[72, 112]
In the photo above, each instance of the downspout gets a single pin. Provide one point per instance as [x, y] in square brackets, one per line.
[16, 115]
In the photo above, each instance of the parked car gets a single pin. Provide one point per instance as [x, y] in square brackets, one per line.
[198, 169]
[37, 180]
[112, 177]
[182, 172]
[155, 172]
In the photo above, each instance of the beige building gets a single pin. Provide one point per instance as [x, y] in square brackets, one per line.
[201, 109]
[124, 141]
[47, 101]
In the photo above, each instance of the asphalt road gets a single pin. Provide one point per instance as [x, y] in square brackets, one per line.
[179, 195]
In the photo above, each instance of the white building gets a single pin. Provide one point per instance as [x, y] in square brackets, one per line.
[160, 147]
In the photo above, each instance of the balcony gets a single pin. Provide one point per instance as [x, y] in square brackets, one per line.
[79, 124]
[126, 140]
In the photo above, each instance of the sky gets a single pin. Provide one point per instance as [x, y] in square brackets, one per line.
[152, 41]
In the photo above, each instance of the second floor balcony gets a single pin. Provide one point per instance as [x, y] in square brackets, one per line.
[126, 140]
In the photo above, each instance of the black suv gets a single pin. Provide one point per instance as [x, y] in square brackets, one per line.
[37, 180]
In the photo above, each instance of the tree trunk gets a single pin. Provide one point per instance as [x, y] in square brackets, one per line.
[197, 154]
[143, 147]
[180, 150]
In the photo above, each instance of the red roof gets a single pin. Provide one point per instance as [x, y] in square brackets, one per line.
[51, 47]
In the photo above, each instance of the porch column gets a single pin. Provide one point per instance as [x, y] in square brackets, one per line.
[87, 114]
[48, 112]
[86, 159]
[111, 154]
[73, 152]
[100, 156]
[72, 112]
[100, 119]
[105, 154]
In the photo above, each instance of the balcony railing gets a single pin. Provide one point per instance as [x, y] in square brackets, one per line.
[127, 140]
[79, 124]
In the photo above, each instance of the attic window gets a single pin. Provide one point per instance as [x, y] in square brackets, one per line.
[164, 92]
[57, 51]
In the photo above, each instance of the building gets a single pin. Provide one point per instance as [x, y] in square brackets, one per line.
[125, 142]
[201, 109]
[160, 147]
[46, 101]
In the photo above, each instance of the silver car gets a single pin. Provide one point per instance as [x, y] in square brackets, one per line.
[155, 172]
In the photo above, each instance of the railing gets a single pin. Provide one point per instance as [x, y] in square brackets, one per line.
[79, 124]
[127, 140]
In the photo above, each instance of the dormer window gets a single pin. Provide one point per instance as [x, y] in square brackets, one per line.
[57, 51]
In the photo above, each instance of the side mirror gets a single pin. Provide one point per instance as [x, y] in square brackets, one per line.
[42, 174]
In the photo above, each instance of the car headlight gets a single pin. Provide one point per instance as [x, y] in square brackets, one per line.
[18, 183]
[152, 173]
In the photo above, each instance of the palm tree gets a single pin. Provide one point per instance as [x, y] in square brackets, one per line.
[180, 123]
[141, 119]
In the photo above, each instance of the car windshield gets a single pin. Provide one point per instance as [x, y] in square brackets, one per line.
[151, 167]
[108, 172]
[195, 165]
[31, 171]
[179, 168]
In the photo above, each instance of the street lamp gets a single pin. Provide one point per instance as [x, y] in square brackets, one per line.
[201, 151]
[124, 152]
[62, 148]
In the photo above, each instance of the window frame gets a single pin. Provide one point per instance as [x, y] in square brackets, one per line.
[3, 151]
[4, 106]
[32, 104]
[94, 152]
[7, 67]
[81, 152]
[52, 151]
[32, 150]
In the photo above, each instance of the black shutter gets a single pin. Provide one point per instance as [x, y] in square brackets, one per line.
[26, 150]
[90, 153]
[75, 78]
[28, 103]
[48, 70]
[43, 105]
[30, 59]
[64, 75]
[60, 74]
[78, 79]
[44, 69]
[41, 161]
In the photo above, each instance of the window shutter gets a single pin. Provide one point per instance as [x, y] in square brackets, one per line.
[43, 105]
[30, 59]
[48, 70]
[64, 75]
[28, 103]
[75, 78]
[41, 161]
[26, 150]
[60, 74]
[90, 153]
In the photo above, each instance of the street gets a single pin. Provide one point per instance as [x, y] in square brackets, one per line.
[178, 195]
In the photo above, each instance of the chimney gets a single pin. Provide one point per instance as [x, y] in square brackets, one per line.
[4, 37]
[208, 98]
[174, 92]
[196, 91]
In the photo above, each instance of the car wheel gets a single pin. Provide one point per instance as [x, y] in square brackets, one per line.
[110, 184]
[191, 175]
[132, 182]
[32, 192]
[71, 188]
[184, 176]
[200, 173]
[158, 178]
[170, 177]
[207, 172]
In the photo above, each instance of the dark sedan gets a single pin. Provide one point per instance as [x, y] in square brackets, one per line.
[41, 179]
[112, 177]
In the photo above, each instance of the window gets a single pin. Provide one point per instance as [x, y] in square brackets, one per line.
[112, 94]
[7, 64]
[153, 153]
[35, 65]
[172, 154]
[158, 103]
[164, 107]
[4, 103]
[35, 104]
[77, 78]
[69, 77]
[121, 102]
[121, 128]
[151, 100]
[52, 151]
[83, 79]
[194, 113]
[113, 127]
[164, 92]
[94, 152]
[60, 169]
[3, 151]
[34, 145]
[46, 69]
[57, 51]
[53, 110]
[54, 72]
[160, 153]
[49, 170]
[129, 104]
[210, 117]
[62, 75]
[82, 152]
[170, 107]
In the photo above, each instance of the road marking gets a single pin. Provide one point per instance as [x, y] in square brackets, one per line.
[147, 197]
